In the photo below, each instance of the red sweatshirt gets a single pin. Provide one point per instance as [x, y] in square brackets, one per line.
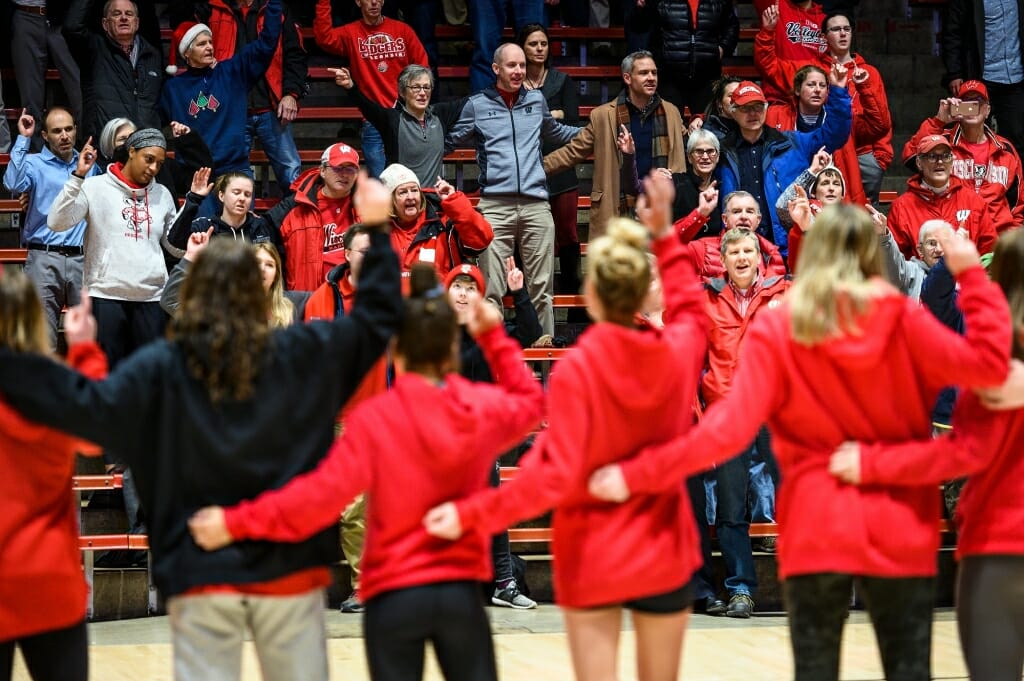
[872, 121]
[706, 253]
[876, 386]
[986, 445]
[411, 449]
[376, 54]
[619, 390]
[797, 37]
[41, 587]
[958, 205]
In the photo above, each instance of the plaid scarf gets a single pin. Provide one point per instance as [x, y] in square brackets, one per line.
[659, 141]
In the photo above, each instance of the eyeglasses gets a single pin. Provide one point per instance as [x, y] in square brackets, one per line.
[345, 170]
[756, 107]
[840, 29]
[711, 153]
[932, 244]
[937, 158]
[420, 88]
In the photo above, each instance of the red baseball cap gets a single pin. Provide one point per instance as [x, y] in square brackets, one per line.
[973, 87]
[340, 154]
[930, 142]
[747, 92]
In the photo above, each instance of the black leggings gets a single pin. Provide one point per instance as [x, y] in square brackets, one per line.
[450, 615]
[60, 655]
[990, 614]
[900, 610]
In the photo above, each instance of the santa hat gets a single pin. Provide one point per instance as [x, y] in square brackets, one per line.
[181, 40]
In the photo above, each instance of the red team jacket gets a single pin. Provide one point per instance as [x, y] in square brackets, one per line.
[411, 448]
[959, 206]
[998, 183]
[876, 386]
[619, 390]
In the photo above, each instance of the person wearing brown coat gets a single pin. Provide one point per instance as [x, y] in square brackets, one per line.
[657, 130]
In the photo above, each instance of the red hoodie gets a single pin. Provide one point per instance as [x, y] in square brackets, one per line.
[958, 205]
[998, 182]
[984, 445]
[42, 588]
[872, 121]
[619, 390]
[410, 449]
[876, 386]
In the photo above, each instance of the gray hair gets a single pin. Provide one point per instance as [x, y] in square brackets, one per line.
[702, 135]
[627, 63]
[929, 226]
[411, 73]
[108, 3]
[739, 194]
[107, 144]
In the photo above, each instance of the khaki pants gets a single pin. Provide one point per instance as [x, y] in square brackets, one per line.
[526, 223]
[288, 631]
[353, 536]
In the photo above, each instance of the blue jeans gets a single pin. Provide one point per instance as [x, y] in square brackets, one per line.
[373, 150]
[279, 144]
[763, 483]
[731, 522]
[488, 18]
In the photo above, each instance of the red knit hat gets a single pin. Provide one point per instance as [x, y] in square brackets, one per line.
[466, 270]
[181, 40]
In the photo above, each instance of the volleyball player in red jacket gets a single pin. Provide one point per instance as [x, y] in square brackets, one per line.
[985, 445]
[620, 389]
[846, 357]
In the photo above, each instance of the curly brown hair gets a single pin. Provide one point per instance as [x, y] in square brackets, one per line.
[221, 325]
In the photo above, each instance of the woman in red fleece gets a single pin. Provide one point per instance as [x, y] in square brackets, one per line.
[986, 445]
[435, 435]
[846, 357]
[642, 554]
[42, 591]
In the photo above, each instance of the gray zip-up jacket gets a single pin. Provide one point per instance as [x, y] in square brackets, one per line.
[508, 141]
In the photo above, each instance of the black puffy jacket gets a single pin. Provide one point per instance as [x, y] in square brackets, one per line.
[678, 46]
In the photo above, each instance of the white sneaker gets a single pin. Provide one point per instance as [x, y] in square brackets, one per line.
[512, 597]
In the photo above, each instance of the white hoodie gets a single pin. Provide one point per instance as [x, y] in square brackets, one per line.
[126, 230]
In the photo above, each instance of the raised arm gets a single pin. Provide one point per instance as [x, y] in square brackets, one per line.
[329, 38]
[254, 59]
[19, 176]
[472, 227]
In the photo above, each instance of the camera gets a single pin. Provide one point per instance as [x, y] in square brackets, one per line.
[964, 109]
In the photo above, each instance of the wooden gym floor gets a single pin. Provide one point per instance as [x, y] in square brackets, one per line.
[531, 646]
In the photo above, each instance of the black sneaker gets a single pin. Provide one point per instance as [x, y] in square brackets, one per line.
[740, 605]
[512, 597]
[713, 605]
[352, 603]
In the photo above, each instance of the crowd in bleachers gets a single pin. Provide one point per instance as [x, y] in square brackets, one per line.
[150, 161]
